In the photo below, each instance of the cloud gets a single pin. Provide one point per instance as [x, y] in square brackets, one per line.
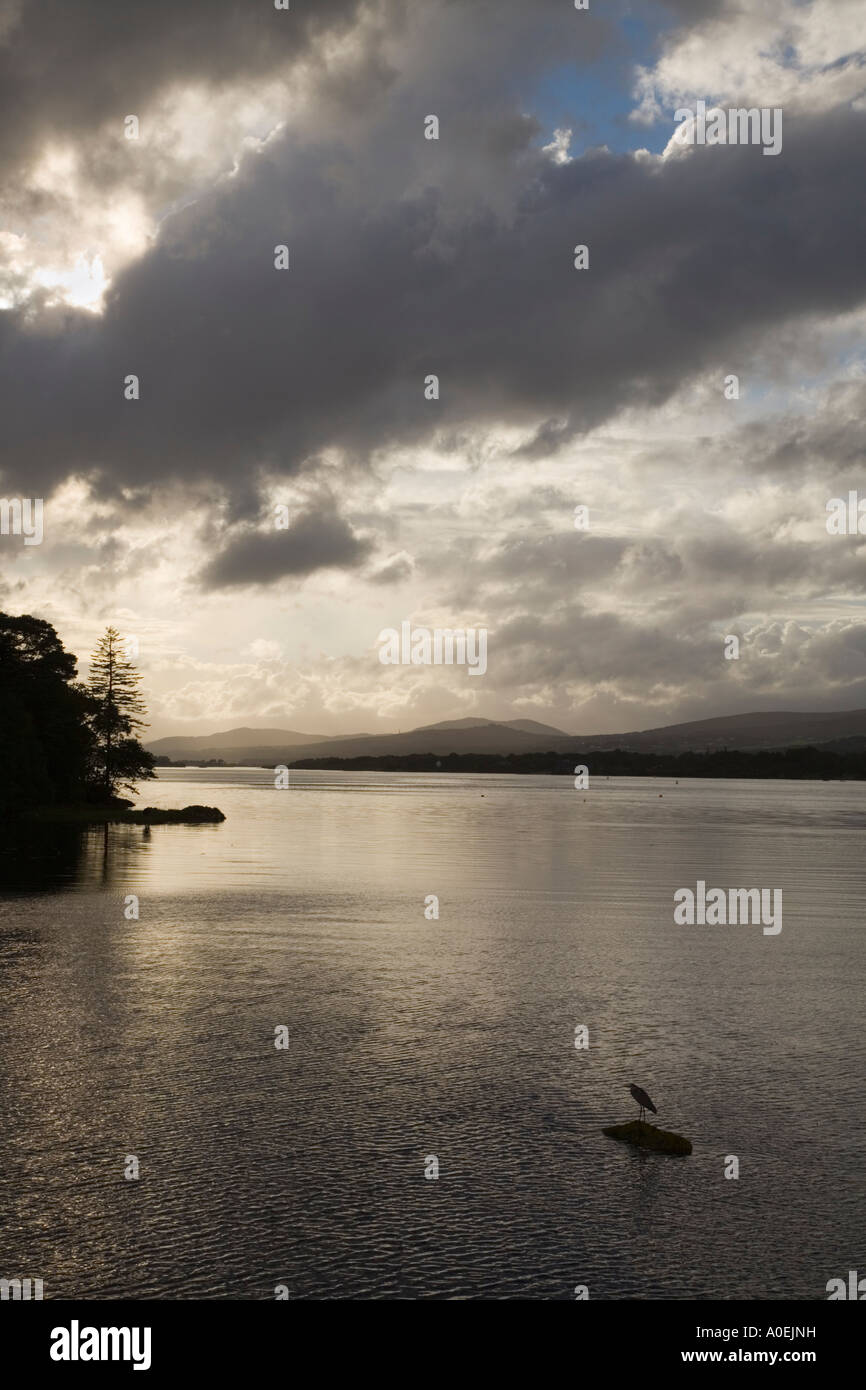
[454, 257]
[315, 540]
[66, 69]
[803, 57]
[397, 569]
[244, 367]
[257, 127]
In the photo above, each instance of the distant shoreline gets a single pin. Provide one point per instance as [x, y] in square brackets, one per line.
[796, 764]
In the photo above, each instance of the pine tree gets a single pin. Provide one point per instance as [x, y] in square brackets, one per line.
[118, 717]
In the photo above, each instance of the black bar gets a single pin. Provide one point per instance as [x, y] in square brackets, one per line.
[228, 1338]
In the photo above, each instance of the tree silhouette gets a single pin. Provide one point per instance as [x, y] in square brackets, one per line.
[119, 758]
[45, 739]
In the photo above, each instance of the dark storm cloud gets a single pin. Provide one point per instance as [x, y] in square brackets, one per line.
[315, 540]
[66, 66]
[69, 66]
[408, 258]
[241, 365]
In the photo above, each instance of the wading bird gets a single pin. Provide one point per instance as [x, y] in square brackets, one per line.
[643, 1100]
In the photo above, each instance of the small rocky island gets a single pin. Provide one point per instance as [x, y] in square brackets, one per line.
[646, 1136]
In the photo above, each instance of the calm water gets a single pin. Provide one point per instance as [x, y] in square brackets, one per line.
[412, 1037]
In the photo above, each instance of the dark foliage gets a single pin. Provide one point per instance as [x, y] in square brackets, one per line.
[45, 739]
[51, 727]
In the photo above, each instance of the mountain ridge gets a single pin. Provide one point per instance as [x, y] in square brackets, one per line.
[755, 729]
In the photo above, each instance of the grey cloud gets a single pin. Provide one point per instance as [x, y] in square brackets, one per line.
[315, 540]
[696, 10]
[575, 645]
[653, 672]
[830, 445]
[243, 367]
[554, 562]
[709, 572]
[396, 245]
[65, 68]
[394, 572]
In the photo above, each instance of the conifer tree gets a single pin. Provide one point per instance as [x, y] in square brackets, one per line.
[118, 717]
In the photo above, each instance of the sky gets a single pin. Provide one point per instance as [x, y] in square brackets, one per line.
[304, 388]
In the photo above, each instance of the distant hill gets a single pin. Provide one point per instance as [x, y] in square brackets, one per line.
[454, 724]
[527, 726]
[211, 745]
[762, 730]
[532, 726]
[486, 737]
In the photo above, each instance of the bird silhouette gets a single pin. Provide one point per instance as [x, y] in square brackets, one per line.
[643, 1100]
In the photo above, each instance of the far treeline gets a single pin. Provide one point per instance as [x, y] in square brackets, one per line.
[64, 742]
[797, 763]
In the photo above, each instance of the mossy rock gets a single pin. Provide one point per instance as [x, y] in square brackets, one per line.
[646, 1136]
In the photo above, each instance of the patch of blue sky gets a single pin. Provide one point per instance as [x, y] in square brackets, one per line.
[595, 102]
[761, 397]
